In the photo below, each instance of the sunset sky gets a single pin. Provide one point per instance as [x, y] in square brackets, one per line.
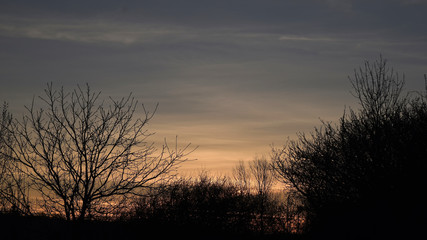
[230, 76]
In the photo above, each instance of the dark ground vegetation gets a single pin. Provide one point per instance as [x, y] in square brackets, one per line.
[202, 208]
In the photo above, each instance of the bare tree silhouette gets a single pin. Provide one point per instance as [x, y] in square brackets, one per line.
[82, 155]
[262, 173]
[378, 89]
[242, 177]
[257, 178]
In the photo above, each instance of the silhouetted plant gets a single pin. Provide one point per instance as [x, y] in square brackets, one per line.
[242, 178]
[257, 179]
[367, 171]
[204, 202]
[215, 205]
[82, 155]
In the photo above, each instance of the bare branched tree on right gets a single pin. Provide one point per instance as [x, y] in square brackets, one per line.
[366, 171]
[378, 89]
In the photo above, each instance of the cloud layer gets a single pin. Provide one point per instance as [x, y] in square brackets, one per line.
[230, 76]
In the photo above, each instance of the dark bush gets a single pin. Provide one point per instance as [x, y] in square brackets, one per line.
[363, 178]
[212, 205]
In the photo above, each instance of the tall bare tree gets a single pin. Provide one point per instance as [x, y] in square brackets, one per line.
[82, 154]
[263, 176]
[258, 177]
[262, 173]
[242, 177]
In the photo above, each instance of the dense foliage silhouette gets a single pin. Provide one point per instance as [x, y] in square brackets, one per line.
[215, 205]
[363, 177]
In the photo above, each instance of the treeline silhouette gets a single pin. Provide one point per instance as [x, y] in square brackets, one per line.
[80, 169]
[214, 205]
[203, 207]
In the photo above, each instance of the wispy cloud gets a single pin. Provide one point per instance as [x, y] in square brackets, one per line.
[118, 32]
[306, 38]
[88, 31]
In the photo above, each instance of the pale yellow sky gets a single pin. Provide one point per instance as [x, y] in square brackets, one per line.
[241, 131]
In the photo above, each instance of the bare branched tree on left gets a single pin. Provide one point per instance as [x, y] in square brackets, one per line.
[82, 153]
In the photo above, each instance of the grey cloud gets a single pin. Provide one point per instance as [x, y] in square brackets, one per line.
[236, 73]
[87, 31]
[131, 22]
[212, 14]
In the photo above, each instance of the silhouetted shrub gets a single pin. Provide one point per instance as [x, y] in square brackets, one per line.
[214, 205]
[363, 177]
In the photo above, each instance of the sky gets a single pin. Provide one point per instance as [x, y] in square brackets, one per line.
[232, 77]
